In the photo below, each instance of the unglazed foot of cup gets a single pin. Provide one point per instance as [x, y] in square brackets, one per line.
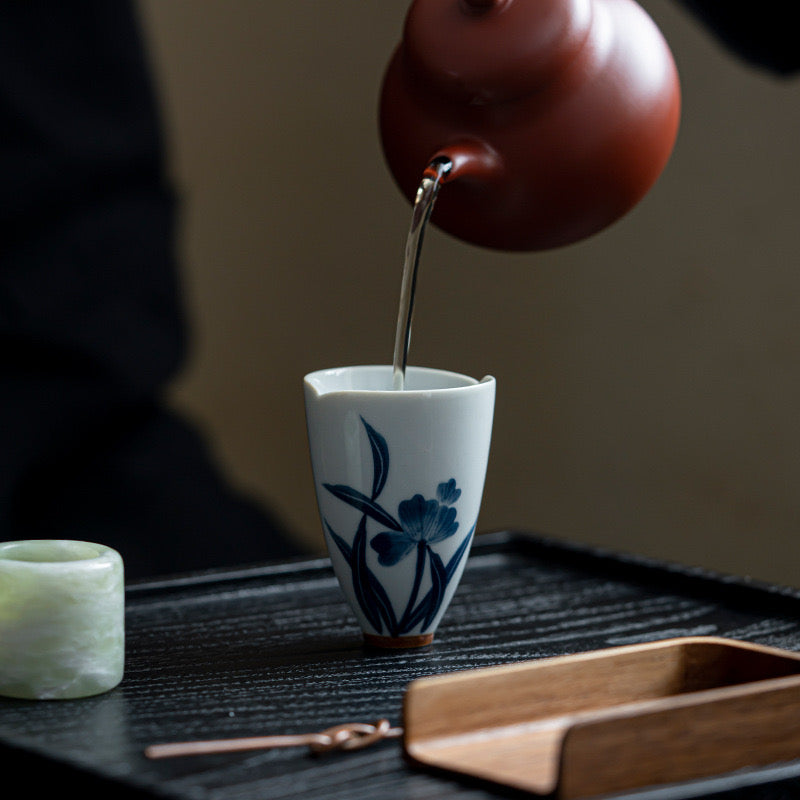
[398, 642]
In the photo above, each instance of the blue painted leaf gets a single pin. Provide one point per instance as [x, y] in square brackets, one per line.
[370, 593]
[363, 504]
[419, 571]
[344, 548]
[438, 586]
[383, 604]
[380, 459]
[455, 559]
[361, 582]
[425, 605]
[419, 613]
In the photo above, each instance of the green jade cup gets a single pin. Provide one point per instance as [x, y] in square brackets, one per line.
[62, 619]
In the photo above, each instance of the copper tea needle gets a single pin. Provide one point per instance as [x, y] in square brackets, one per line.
[350, 736]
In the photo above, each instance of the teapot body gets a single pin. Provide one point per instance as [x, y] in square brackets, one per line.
[557, 127]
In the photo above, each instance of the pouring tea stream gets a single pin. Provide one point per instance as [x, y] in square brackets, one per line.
[548, 120]
[427, 192]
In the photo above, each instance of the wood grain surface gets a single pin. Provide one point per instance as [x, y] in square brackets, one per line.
[273, 649]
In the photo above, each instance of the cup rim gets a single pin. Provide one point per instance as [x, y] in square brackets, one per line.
[460, 381]
[74, 552]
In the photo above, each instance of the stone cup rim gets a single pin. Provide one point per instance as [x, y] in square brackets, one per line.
[67, 554]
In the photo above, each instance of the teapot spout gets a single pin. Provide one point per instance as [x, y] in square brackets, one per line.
[468, 159]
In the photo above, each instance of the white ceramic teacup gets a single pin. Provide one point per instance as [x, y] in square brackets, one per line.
[399, 477]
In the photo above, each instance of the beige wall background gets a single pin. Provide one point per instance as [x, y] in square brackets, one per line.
[648, 378]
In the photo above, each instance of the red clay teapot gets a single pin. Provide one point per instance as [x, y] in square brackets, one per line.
[557, 115]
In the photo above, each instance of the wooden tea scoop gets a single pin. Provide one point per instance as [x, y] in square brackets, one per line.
[600, 722]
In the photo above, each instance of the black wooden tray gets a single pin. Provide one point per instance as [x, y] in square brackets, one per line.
[273, 649]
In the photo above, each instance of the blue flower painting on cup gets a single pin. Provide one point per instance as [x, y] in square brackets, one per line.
[420, 525]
